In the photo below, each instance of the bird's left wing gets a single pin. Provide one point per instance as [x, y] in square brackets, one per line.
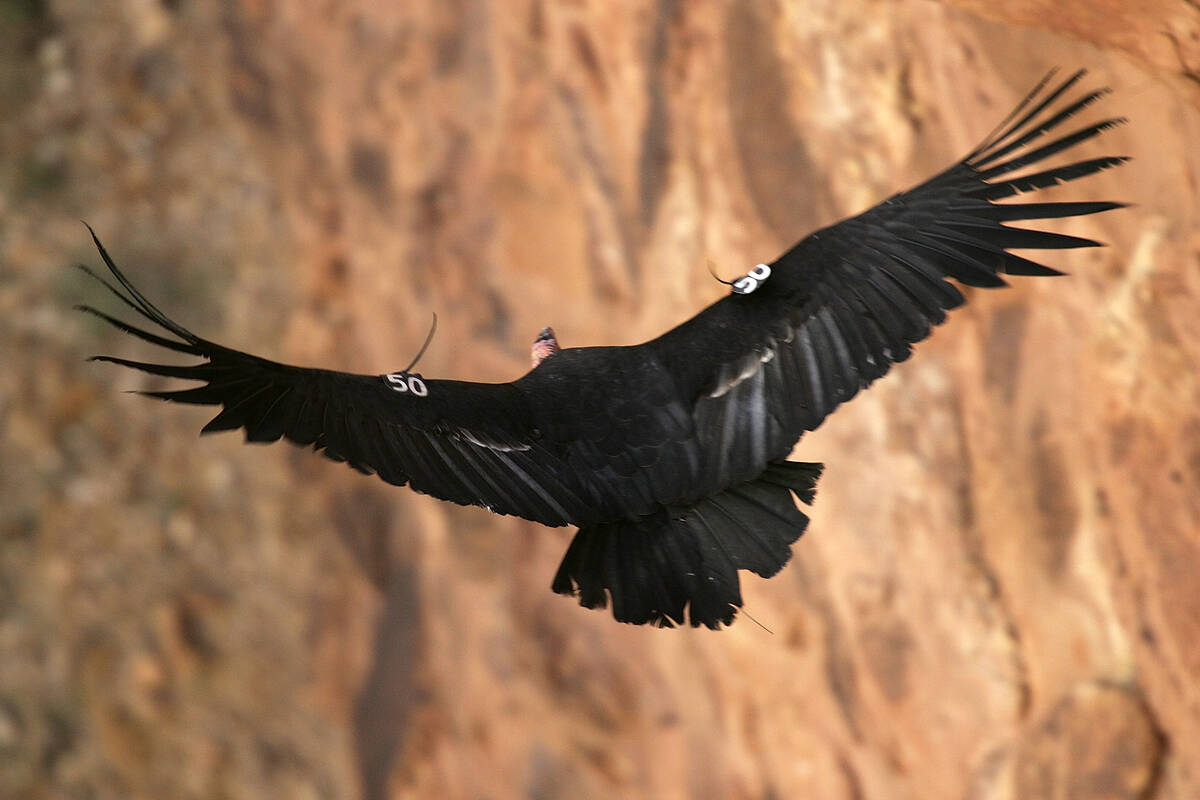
[470, 443]
[805, 333]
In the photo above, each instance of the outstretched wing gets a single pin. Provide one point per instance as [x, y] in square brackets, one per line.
[834, 312]
[470, 443]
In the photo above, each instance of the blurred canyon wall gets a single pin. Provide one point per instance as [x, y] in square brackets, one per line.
[998, 597]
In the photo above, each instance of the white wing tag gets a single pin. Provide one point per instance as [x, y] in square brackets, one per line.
[752, 279]
[404, 382]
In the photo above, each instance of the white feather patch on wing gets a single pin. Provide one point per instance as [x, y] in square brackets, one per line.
[489, 443]
[735, 372]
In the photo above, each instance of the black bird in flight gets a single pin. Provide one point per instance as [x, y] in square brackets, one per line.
[671, 456]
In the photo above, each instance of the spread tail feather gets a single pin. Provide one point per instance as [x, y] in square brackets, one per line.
[680, 565]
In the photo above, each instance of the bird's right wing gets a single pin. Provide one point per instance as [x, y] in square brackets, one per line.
[469, 443]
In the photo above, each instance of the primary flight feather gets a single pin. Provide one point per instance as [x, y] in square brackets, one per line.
[671, 456]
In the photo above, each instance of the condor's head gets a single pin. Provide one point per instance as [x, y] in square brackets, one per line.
[544, 346]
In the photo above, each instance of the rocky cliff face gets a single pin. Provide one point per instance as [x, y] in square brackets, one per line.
[997, 597]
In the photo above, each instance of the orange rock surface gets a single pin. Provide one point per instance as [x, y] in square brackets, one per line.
[998, 597]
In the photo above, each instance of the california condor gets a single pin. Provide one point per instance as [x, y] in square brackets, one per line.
[671, 456]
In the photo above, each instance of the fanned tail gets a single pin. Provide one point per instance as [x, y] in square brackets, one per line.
[680, 565]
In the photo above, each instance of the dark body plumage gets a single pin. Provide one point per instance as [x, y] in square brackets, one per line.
[670, 455]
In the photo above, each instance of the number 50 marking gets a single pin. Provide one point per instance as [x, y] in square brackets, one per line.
[403, 382]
